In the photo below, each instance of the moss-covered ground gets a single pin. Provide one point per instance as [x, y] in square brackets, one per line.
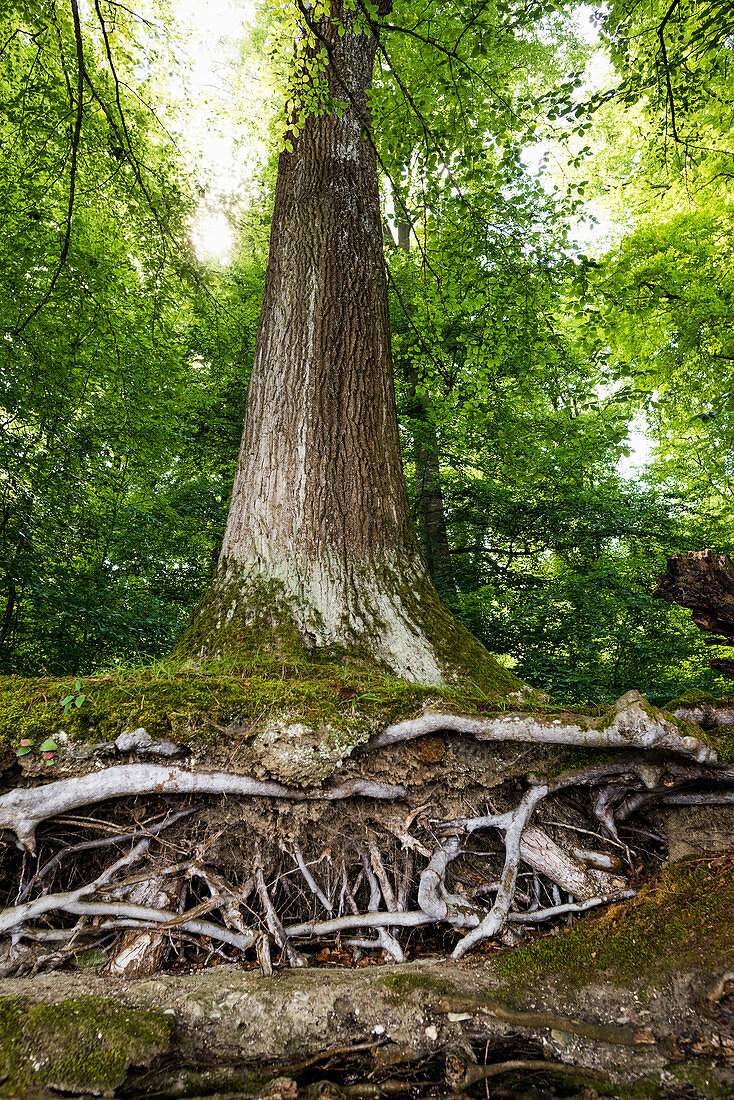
[81, 1044]
[683, 920]
[211, 703]
[197, 702]
[402, 987]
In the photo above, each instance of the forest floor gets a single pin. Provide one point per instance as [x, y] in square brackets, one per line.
[325, 882]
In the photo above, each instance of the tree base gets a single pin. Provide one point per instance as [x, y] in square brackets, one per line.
[385, 618]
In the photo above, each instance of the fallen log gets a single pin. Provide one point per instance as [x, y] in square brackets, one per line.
[704, 582]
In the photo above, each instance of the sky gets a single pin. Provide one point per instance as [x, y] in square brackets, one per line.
[209, 45]
[210, 40]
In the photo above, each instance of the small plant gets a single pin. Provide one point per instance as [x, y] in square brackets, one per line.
[75, 699]
[47, 749]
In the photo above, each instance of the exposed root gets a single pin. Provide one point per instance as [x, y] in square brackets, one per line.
[603, 1033]
[382, 871]
[473, 1073]
[537, 916]
[271, 917]
[496, 917]
[23, 809]
[635, 725]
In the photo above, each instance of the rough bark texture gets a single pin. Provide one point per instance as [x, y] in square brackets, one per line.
[704, 582]
[319, 527]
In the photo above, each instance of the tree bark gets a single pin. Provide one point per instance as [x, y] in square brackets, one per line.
[704, 582]
[320, 549]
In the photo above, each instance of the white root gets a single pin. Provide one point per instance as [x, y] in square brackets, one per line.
[72, 901]
[271, 918]
[162, 918]
[229, 900]
[30, 910]
[310, 880]
[433, 897]
[379, 869]
[497, 916]
[390, 945]
[21, 810]
[600, 861]
[381, 919]
[539, 915]
[571, 874]
[105, 842]
[384, 942]
[634, 724]
[375, 892]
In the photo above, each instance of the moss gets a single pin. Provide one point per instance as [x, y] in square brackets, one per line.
[250, 618]
[684, 920]
[402, 987]
[344, 702]
[85, 1043]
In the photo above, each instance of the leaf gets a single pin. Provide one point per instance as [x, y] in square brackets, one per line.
[49, 745]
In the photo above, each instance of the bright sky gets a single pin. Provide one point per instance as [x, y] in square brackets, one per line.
[209, 44]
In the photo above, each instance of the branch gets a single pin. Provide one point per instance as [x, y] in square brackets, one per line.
[80, 74]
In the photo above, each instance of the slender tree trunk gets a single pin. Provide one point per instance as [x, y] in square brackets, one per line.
[430, 511]
[320, 549]
[429, 503]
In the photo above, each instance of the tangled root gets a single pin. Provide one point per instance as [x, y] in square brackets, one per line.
[372, 879]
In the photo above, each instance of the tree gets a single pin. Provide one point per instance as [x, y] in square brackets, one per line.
[320, 559]
[319, 541]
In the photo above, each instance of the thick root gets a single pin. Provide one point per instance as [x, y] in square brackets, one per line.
[635, 724]
[389, 871]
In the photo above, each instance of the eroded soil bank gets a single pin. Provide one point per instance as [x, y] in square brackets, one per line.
[188, 829]
[636, 1003]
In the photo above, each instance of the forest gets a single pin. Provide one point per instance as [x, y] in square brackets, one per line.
[278, 708]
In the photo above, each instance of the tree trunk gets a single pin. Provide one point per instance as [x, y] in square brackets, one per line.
[429, 503]
[320, 550]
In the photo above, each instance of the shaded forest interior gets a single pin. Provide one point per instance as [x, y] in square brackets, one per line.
[480, 253]
[522, 363]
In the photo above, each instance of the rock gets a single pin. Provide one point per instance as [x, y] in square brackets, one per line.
[83, 1043]
[140, 741]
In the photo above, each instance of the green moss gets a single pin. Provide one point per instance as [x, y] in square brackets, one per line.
[683, 920]
[211, 703]
[85, 1043]
[252, 619]
[401, 986]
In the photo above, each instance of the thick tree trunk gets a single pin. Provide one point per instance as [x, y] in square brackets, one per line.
[320, 549]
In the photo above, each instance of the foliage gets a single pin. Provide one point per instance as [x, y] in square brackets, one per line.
[121, 401]
[518, 360]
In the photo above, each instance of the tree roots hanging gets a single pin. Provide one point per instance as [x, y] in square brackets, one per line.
[368, 859]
